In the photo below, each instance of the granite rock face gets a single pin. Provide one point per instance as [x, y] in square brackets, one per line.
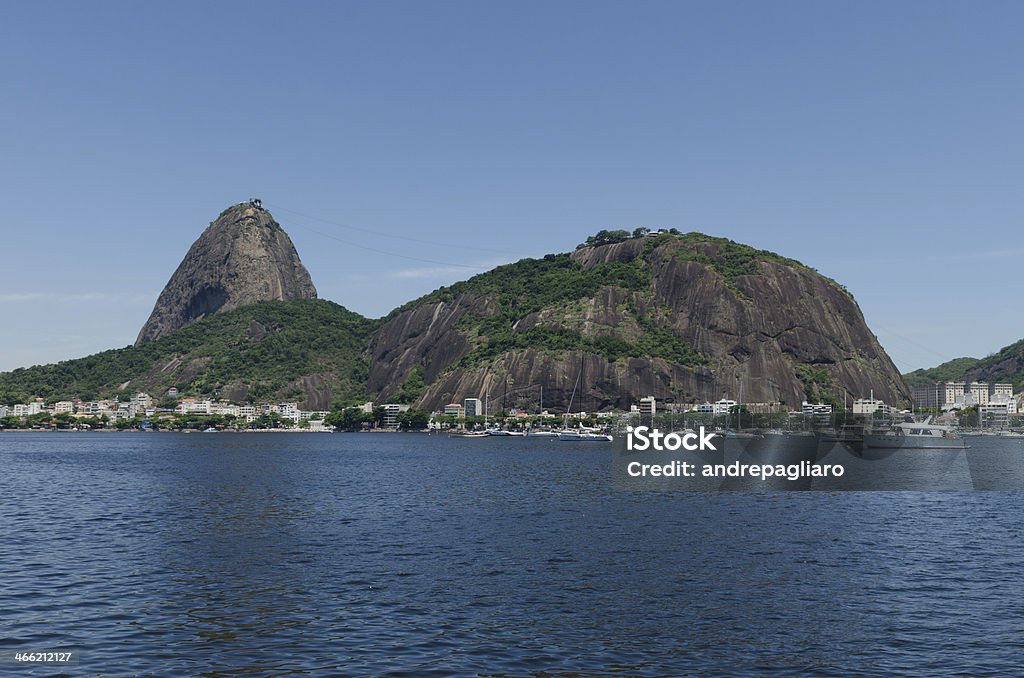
[241, 258]
[770, 326]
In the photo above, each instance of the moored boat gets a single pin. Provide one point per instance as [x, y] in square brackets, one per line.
[583, 434]
[503, 432]
[915, 435]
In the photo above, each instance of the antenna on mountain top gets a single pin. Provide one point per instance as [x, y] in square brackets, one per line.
[256, 202]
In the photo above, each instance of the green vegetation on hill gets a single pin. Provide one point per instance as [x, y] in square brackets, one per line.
[531, 285]
[1006, 366]
[952, 370]
[556, 281]
[265, 347]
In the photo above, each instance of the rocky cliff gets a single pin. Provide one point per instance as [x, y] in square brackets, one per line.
[242, 258]
[681, 317]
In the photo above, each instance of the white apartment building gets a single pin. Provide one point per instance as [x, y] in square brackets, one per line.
[391, 411]
[723, 406]
[867, 406]
[815, 408]
[648, 406]
[289, 411]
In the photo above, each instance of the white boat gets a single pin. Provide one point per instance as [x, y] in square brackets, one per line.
[210, 430]
[583, 434]
[503, 432]
[915, 435]
[542, 434]
[467, 434]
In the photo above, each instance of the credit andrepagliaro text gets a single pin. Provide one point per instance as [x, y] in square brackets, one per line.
[682, 469]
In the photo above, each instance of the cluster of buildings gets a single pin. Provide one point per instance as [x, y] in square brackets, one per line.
[995, 402]
[143, 405]
[957, 395]
[861, 406]
[140, 405]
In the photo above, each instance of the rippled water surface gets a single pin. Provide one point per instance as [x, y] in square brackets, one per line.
[354, 554]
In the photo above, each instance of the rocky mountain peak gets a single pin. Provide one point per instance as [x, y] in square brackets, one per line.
[243, 257]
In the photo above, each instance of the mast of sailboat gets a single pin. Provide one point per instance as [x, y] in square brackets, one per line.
[739, 407]
[568, 410]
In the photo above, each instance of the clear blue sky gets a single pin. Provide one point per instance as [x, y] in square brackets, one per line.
[878, 142]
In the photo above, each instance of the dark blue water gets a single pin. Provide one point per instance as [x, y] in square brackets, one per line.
[354, 554]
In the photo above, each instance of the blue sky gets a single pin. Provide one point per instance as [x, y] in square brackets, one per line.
[878, 142]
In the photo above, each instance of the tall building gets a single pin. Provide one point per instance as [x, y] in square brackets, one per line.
[956, 392]
[979, 393]
[473, 407]
[648, 406]
[1001, 392]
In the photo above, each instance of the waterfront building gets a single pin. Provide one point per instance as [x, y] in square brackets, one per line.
[289, 411]
[454, 410]
[648, 406]
[995, 415]
[391, 412]
[723, 406]
[193, 406]
[473, 407]
[867, 406]
[815, 408]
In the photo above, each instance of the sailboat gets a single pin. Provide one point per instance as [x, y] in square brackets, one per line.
[581, 433]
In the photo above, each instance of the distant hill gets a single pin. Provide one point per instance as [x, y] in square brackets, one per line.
[306, 350]
[1004, 366]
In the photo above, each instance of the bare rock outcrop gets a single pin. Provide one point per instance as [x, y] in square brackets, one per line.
[243, 257]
